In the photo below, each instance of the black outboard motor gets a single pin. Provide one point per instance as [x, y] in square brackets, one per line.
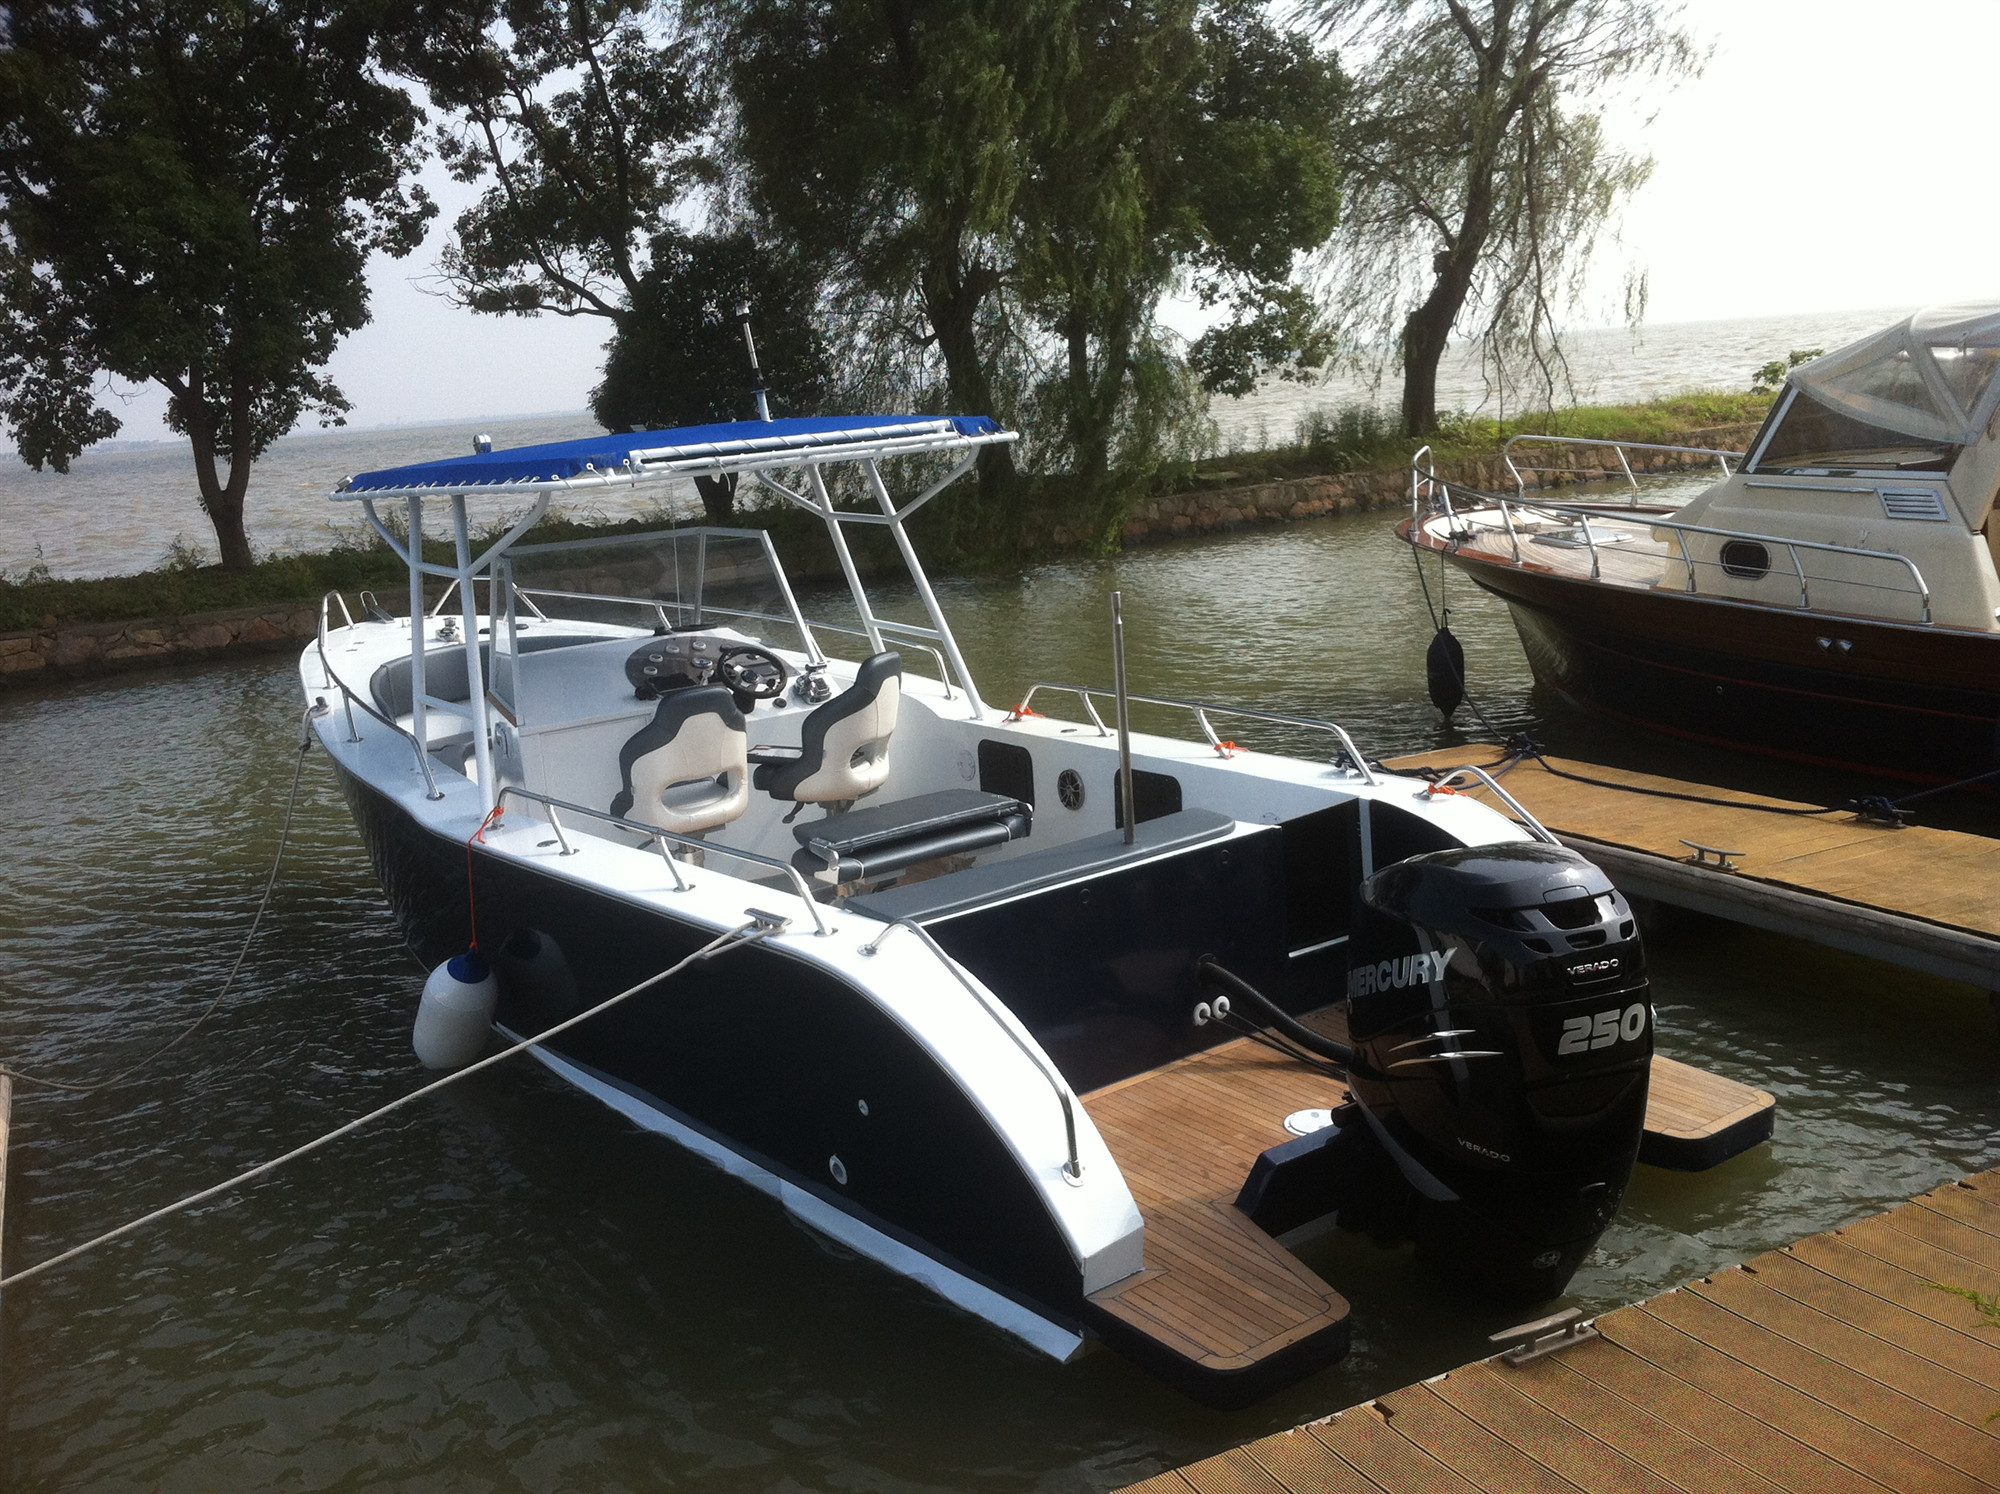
[1499, 1008]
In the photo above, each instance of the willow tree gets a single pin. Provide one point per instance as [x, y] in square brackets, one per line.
[189, 195]
[1479, 176]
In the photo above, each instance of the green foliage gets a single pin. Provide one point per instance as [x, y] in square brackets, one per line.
[1479, 175]
[189, 195]
[678, 357]
[1347, 438]
[590, 120]
[1004, 192]
[1771, 377]
[183, 556]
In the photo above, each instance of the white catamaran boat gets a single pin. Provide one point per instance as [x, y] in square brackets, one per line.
[1025, 1006]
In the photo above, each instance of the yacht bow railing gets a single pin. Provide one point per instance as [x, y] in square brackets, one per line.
[1616, 446]
[661, 839]
[350, 700]
[1349, 755]
[1425, 486]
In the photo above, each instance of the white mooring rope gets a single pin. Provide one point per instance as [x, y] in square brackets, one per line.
[731, 939]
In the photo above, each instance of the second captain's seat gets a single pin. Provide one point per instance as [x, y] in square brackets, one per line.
[843, 749]
[687, 770]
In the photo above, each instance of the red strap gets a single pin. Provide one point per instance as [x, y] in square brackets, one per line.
[471, 897]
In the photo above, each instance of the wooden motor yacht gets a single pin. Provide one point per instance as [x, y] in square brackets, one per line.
[1833, 599]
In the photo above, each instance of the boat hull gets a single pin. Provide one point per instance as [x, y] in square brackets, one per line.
[766, 1063]
[1919, 704]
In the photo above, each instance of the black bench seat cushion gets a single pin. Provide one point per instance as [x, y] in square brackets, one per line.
[886, 838]
[1094, 856]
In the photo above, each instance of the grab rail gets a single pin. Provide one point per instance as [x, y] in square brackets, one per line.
[1073, 1170]
[1201, 710]
[1532, 825]
[1618, 446]
[660, 838]
[351, 700]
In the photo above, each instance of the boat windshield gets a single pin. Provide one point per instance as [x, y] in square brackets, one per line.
[1812, 438]
[668, 577]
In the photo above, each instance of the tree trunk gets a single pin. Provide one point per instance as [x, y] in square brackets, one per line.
[1425, 337]
[1428, 330]
[221, 501]
[718, 498]
[951, 303]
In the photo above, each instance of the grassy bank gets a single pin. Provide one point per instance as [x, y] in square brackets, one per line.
[953, 534]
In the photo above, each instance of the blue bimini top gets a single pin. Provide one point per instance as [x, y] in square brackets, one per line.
[634, 455]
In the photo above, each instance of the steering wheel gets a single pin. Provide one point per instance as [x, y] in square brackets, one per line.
[752, 673]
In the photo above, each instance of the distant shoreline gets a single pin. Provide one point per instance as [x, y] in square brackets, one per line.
[58, 628]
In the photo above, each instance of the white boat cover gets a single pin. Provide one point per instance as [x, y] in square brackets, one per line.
[1930, 376]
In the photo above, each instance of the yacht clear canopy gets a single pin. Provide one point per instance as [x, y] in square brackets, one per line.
[1930, 376]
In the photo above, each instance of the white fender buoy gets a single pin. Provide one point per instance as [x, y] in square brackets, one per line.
[456, 1013]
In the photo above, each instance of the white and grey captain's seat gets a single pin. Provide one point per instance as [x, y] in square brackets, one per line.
[687, 770]
[843, 749]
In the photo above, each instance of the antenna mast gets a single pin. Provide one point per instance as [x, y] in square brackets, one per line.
[756, 373]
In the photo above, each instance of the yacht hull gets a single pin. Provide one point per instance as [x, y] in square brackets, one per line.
[1920, 704]
[768, 1065]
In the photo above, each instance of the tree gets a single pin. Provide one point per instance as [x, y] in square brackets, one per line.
[1180, 140]
[677, 357]
[1010, 189]
[882, 140]
[1478, 175]
[189, 194]
[590, 121]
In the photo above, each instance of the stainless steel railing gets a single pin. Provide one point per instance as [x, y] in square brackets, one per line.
[1073, 1170]
[1201, 711]
[351, 700]
[1529, 823]
[662, 839]
[1427, 489]
[1795, 550]
[1617, 446]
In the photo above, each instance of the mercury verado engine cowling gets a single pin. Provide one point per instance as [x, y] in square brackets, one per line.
[1498, 1006]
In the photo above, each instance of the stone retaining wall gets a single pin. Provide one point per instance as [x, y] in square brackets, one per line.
[105, 647]
[101, 648]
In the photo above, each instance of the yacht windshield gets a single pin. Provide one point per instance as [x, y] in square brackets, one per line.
[1814, 439]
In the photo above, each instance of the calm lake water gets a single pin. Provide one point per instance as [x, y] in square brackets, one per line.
[511, 1288]
[121, 507]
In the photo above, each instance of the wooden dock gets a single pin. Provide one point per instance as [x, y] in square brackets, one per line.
[1927, 899]
[1851, 1361]
[1222, 1309]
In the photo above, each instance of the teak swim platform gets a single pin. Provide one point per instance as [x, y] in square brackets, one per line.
[1834, 1364]
[1914, 896]
[1204, 1145]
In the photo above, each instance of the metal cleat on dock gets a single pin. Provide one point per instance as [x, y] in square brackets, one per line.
[1702, 853]
[1530, 1341]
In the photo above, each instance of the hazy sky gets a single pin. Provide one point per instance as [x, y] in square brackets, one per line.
[1837, 154]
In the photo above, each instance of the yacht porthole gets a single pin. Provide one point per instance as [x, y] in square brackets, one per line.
[1069, 788]
[1746, 558]
[839, 1170]
[864, 1106]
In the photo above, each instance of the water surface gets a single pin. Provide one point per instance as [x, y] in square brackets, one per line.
[511, 1288]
